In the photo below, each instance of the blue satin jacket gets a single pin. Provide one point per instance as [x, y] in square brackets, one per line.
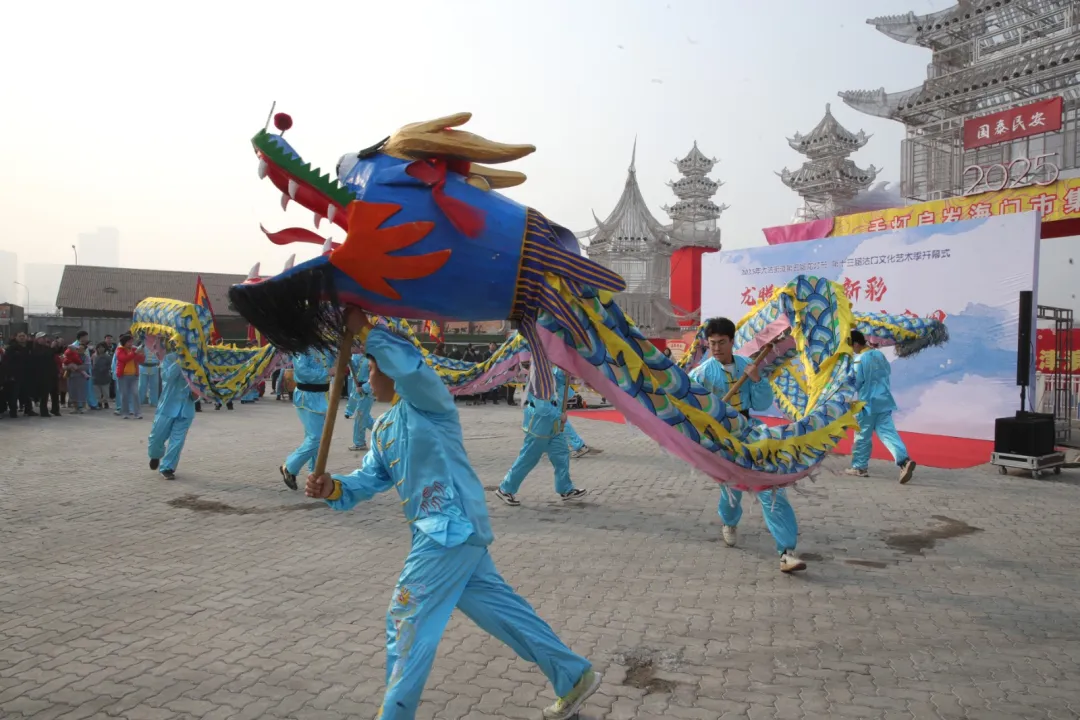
[873, 381]
[417, 448]
[176, 400]
[710, 374]
[312, 368]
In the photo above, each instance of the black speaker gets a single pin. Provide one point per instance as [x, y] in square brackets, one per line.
[1024, 340]
[1030, 434]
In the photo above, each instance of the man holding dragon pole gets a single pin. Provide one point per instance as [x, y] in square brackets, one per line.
[417, 449]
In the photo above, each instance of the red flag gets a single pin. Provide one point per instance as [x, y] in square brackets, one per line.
[203, 298]
[254, 336]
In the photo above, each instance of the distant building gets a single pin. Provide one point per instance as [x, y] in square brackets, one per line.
[633, 243]
[9, 263]
[1004, 70]
[88, 291]
[11, 320]
[42, 281]
[101, 248]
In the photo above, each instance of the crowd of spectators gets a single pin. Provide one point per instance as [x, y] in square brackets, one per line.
[41, 374]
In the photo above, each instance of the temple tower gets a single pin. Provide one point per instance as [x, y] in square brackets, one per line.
[828, 181]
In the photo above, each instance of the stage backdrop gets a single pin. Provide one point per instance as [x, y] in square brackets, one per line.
[968, 273]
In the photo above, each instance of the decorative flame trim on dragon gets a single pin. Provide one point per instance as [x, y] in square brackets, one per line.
[429, 238]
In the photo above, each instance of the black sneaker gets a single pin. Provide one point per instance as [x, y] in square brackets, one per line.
[507, 498]
[168, 475]
[288, 477]
[575, 494]
[154, 463]
[29, 413]
[229, 405]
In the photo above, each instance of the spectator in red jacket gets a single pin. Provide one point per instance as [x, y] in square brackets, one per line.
[128, 359]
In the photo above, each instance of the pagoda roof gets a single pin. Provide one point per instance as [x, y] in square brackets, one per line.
[694, 186]
[829, 137]
[1009, 80]
[630, 223]
[695, 162]
[962, 22]
[829, 175]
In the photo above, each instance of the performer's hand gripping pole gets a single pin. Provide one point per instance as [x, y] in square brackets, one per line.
[341, 371]
[762, 355]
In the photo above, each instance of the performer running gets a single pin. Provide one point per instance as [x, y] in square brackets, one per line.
[360, 401]
[716, 374]
[417, 448]
[873, 383]
[544, 426]
[172, 419]
[312, 371]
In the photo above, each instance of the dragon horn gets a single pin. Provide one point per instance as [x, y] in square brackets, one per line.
[253, 273]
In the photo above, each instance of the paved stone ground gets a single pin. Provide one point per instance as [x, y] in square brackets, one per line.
[224, 595]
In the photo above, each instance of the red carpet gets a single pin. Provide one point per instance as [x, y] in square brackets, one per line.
[936, 451]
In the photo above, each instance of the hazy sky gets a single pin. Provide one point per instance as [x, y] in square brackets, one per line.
[129, 115]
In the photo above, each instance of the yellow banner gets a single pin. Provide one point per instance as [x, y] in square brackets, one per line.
[1059, 201]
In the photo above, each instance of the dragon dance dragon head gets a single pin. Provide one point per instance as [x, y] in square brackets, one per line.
[428, 236]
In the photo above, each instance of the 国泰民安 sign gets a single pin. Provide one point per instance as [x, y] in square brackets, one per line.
[1018, 122]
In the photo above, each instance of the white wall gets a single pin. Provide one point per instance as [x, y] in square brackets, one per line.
[1059, 273]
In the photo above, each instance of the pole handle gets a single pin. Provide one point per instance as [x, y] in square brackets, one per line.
[341, 371]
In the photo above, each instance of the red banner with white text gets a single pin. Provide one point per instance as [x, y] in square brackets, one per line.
[1012, 124]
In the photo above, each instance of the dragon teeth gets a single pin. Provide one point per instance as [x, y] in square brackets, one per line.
[330, 210]
[284, 201]
[293, 187]
[328, 246]
[264, 167]
[318, 219]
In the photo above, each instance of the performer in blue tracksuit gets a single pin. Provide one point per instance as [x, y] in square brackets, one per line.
[172, 419]
[544, 425]
[148, 381]
[360, 401]
[872, 378]
[311, 371]
[716, 374]
[418, 450]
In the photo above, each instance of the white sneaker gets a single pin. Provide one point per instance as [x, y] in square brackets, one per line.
[580, 452]
[790, 562]
[730, 535]
[567, 707]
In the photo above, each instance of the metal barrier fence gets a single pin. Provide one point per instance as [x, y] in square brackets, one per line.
[1044, 392]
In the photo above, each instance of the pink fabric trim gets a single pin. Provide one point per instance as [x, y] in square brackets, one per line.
[668, 437]
[493, 377]
[813, 230]
[772, 330]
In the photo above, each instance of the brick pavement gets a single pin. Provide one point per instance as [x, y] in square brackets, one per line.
[224, 595]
